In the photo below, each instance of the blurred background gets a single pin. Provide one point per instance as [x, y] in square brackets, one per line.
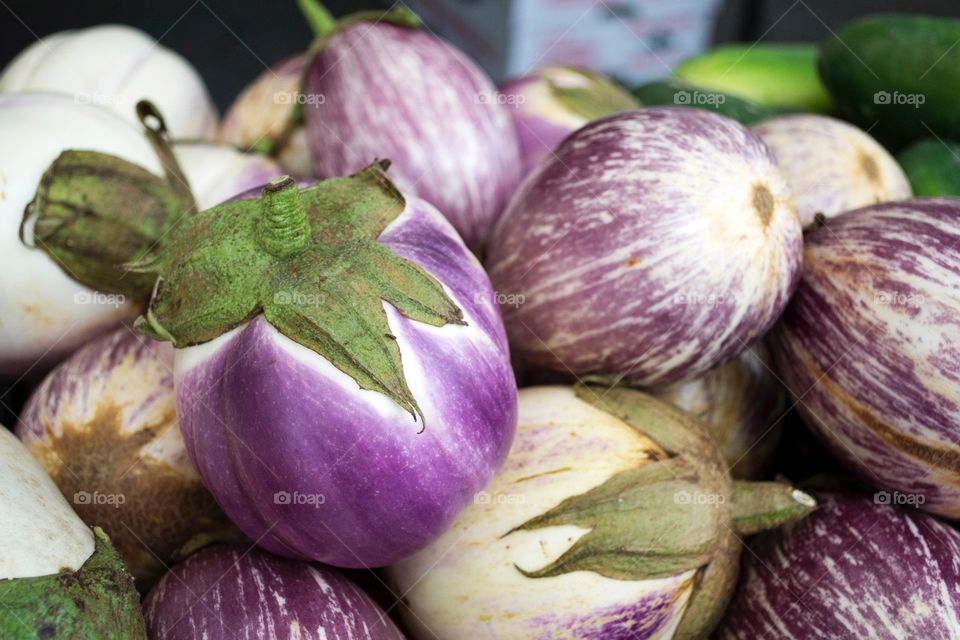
[231, 42]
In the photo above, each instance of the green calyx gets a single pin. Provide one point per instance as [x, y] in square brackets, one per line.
[665, 517]
[309, 261]
[593, 97]
[96, 602]
[93, 212]
[324, 25]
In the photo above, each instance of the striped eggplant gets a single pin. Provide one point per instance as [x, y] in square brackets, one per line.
[46, 311]
[58, 578]
[103, 424]
[853, 569]
[593, 530]
[549, 104]
[742, 403]
[263, 117]
[226, 593]
[830, 165]
[115, 66]
[653, 245]
[870, 346]
[343, 377]
[377, 86]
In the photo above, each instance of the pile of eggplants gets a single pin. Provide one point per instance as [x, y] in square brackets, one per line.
[250, 372]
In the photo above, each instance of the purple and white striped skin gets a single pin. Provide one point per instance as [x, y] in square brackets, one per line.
[654, 244]
[741, 403]
[852, 569]
[309, 465]
[831, 165]
[231, 593]
[467, 583]
[541, 119]
[403, 94]
[870, 344]
[104, 423]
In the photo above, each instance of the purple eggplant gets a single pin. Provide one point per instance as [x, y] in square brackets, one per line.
[103, 424]
[831, 166]
[549, 104]
[653, 245]
[224, 593]
[344, 400]
[852, 569]
[382, 88]
[870, 346]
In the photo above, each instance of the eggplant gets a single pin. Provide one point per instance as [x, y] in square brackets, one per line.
[549, 104]
[831, 166]
[51, 304]
[742, 404]
[342, 373]
[377, 86]
[857, 568]
[59, 578]
[115, 66]
[263, 117]
[869, 346]
[103, 424]
[614, 517]
[651, 246]
[223, 593]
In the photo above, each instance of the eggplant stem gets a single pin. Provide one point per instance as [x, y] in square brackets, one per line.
[319, 18]
[285, 227]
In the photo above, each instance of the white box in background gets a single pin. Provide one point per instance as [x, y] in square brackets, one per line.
[633, 40]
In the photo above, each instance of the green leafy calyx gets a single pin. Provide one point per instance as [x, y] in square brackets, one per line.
[309, 261]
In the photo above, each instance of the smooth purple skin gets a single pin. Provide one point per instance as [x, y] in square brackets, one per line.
[404, 95]
[870, 344]
[257, 421]
[630, 214]
[536, 135]
[226, 593]
[852, 569]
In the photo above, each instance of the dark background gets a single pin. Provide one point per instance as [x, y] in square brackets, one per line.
[230, 42]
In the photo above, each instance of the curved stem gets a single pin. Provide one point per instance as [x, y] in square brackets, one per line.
[318, 17]
[156, 129]
[284, 228]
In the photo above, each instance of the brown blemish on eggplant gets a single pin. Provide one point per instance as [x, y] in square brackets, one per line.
[869, 167]
[942, 457]
[632, 262]
[763, 203]
[162, 509]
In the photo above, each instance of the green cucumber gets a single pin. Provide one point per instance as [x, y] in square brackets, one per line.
[676, 92]
[783, 75]
[933, 167]
[897, 76]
